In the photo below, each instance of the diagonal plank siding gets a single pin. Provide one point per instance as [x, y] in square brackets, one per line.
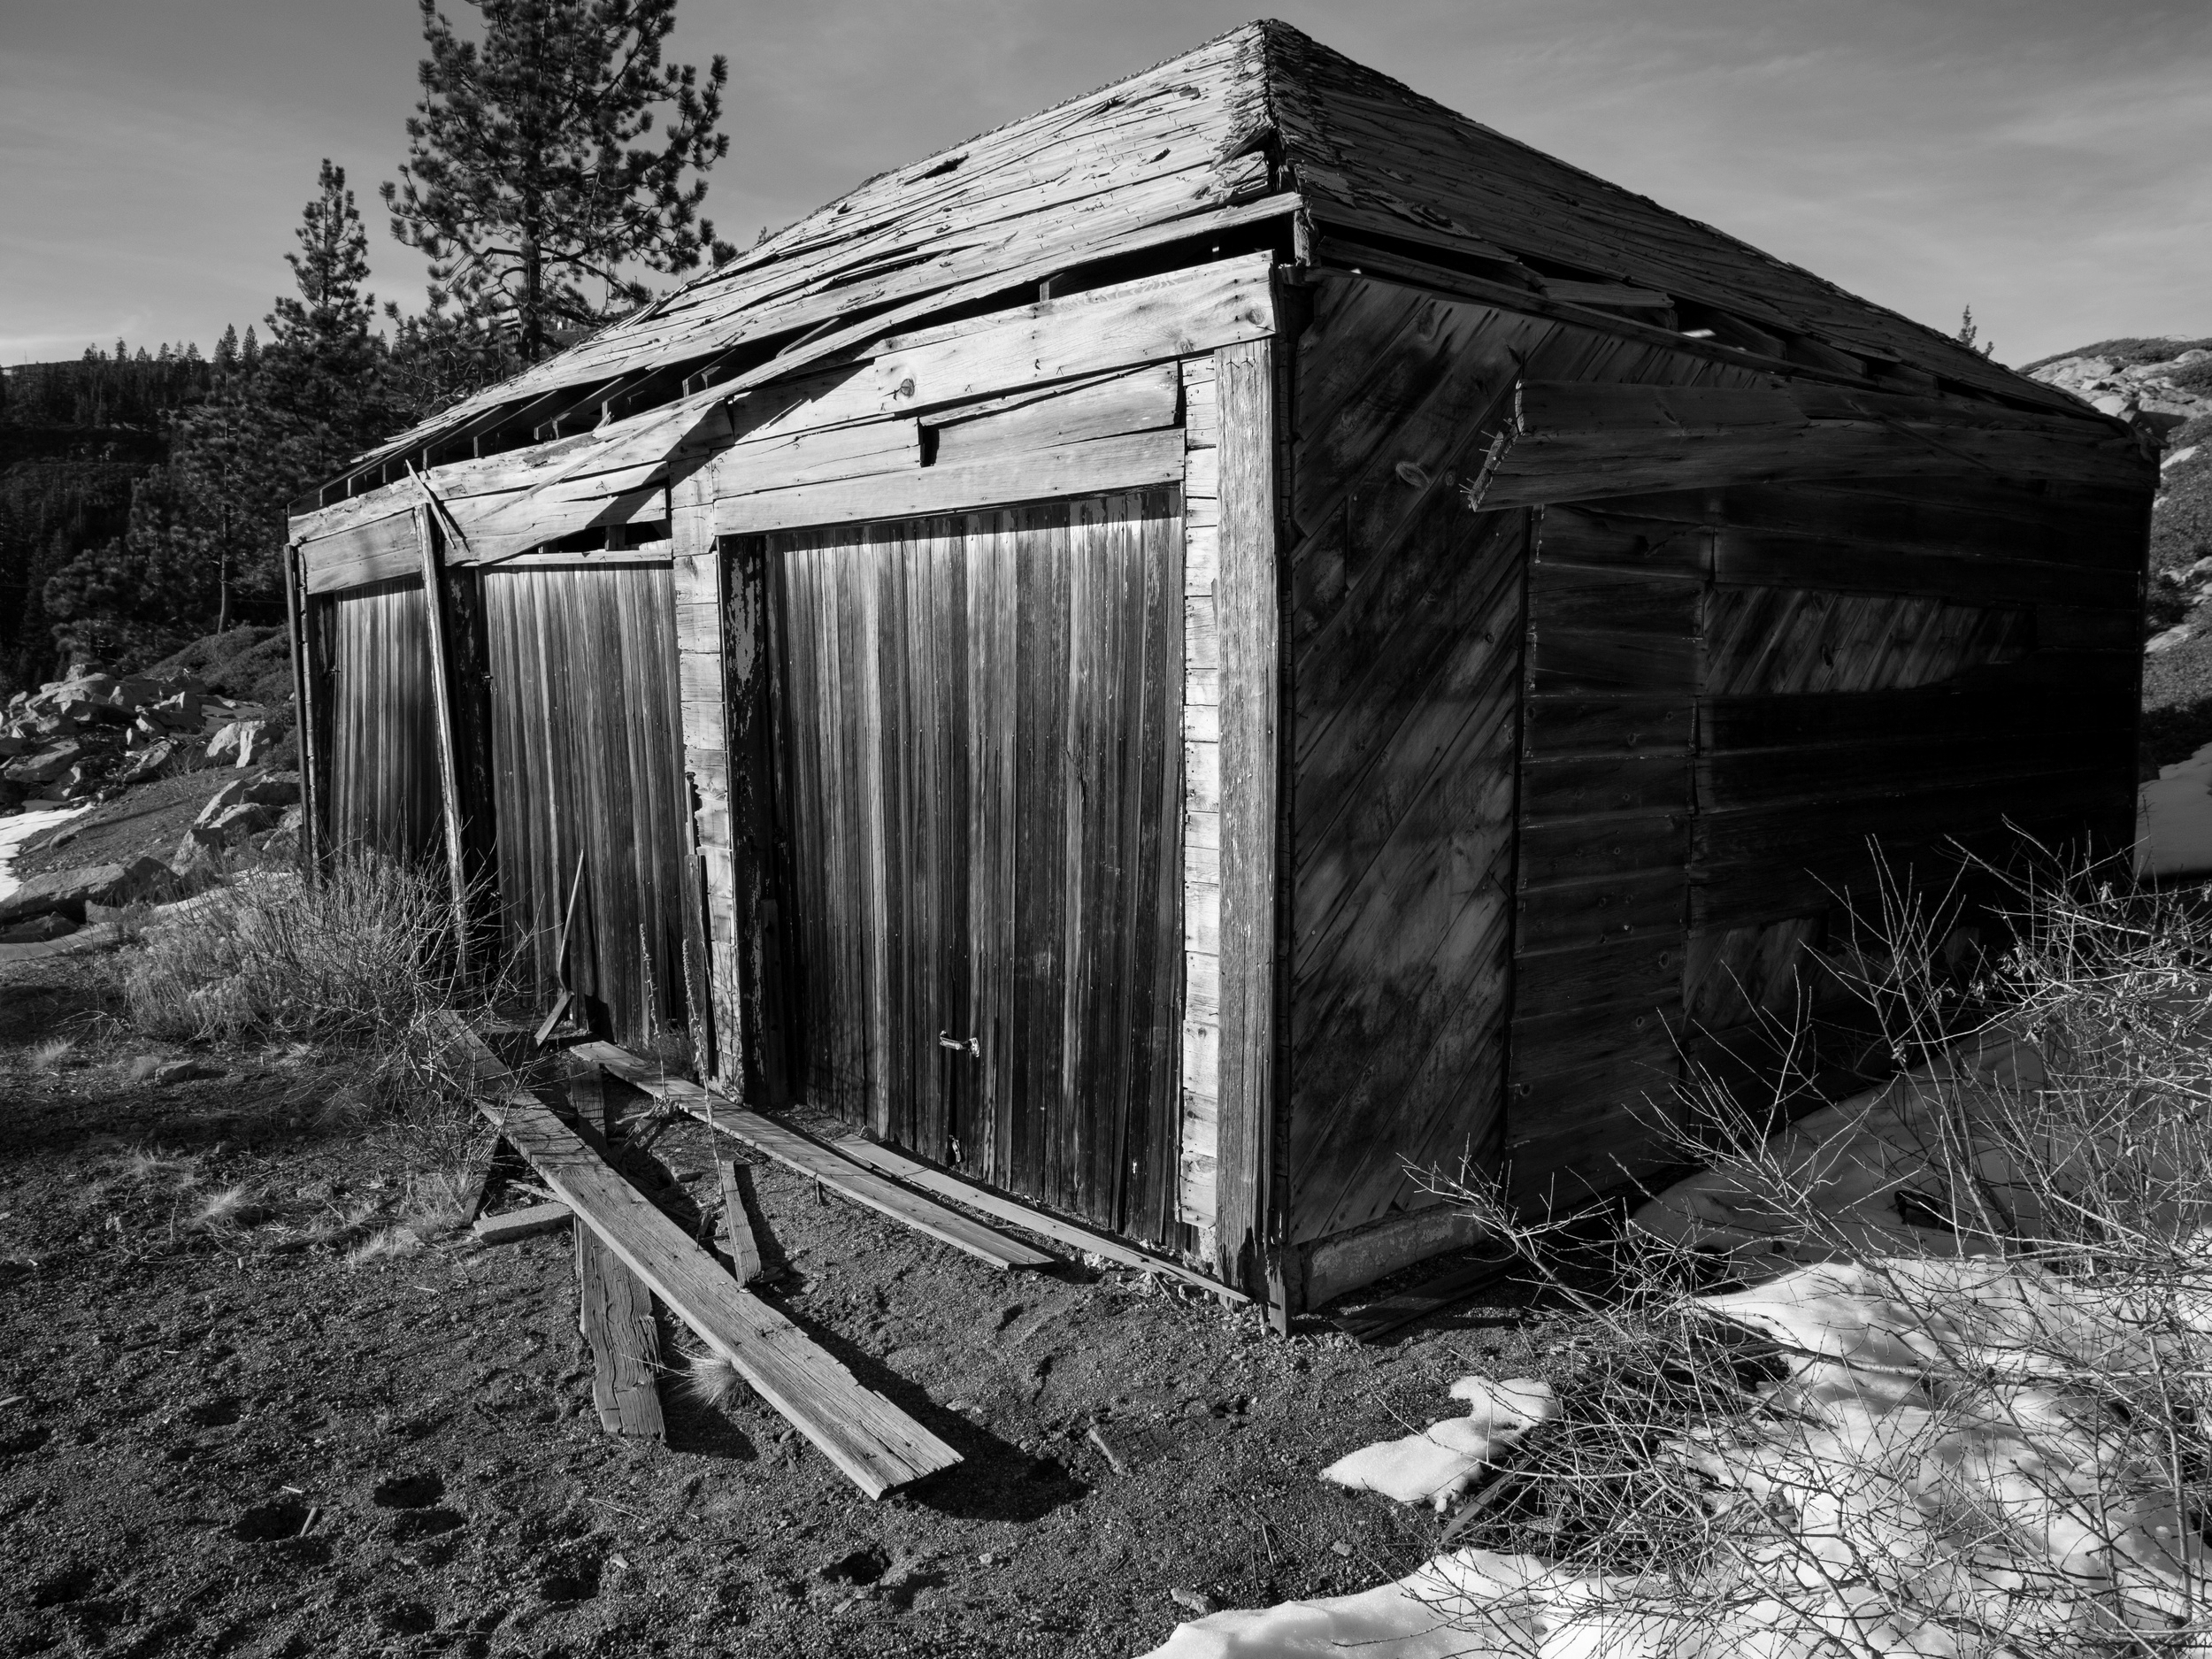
[586, 757]
[381, 770]
[981, 779]
[1433, 889]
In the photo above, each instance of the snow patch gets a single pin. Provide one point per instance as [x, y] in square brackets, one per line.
[1440, 1462]
[2173, 819]
[17, 830]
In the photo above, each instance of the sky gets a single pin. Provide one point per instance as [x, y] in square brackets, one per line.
[2047, 162]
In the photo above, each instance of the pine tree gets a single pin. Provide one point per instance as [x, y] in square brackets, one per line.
[1969, 334]
[526, 176]
[227, 353]
[250, 354]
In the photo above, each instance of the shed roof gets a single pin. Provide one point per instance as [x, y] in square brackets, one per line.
[1261, 122]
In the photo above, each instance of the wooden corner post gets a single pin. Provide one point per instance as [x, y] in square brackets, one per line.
[1250, 618]
[442, 709]
[304, 736]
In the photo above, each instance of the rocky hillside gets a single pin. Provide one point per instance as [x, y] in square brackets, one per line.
[2166, 387]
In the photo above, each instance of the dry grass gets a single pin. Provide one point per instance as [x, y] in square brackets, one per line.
[356, 957]
[356, 964]
[1972, 1415]
[708, 1377]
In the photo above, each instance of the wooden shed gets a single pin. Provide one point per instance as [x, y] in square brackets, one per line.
[1209, 650]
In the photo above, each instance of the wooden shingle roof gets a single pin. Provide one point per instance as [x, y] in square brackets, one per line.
[1262, 123]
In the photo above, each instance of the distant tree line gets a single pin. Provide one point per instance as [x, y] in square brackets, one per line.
[144, 492]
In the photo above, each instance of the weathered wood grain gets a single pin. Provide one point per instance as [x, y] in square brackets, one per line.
[1248, 611]
[1127, 462]
[811, 1159]
[982, 774]
[615, 1314]
[892, 1161]
[877, 1445]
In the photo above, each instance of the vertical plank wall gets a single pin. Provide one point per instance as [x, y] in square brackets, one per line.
[381, 759]
[586, 760]
[1249, 1249]
[981, 778]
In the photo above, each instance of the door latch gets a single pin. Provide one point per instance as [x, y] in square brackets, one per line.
[970, 1046]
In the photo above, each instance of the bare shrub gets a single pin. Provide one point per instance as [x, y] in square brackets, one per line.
[1929, 1374]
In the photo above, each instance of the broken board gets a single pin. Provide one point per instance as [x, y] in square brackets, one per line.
[875, 1444]
[737, 1224]
[819, 1163]
[615, 1313]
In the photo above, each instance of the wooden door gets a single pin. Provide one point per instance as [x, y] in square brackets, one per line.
[587, 763]
[980, 790]
[380, 769]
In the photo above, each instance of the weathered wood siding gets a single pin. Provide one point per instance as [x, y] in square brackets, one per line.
[1201, 1137]
[1959, 658]
[980, 778]
[1810, 687]
[1416, 904]
[586, 756]
[1614, 607]
[377, 740]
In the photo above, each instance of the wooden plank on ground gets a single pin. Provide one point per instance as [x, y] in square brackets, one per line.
[812, 1158]
[737, 1224]
[522, 1224]
[892, 1161]
[877, 1445]
[615, 1313]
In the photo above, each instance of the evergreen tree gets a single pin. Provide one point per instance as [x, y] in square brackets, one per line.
[530, 170]
[250, 354]
[227, 353]
[1969, 334]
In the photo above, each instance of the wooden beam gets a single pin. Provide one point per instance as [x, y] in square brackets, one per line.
[1573, 441]
[295, 628]
[737, 1224]
[1250, 626]
[877, 1445]
[757, 1045]
[818, 1161]
[614, 1311]
[892, 1161]
[427, 534]
[1127, 462]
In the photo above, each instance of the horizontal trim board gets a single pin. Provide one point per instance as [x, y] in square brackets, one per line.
[1074, 469]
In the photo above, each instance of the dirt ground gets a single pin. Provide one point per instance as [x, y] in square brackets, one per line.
[222, 1433]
